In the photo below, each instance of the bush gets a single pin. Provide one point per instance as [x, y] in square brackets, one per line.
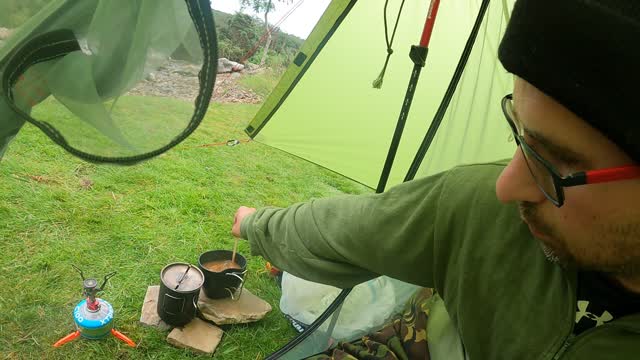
[238, 35]
[227, 49]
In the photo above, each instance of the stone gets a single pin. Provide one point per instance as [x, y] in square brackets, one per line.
[226, 66]
[149, 314]
[197, 335]
[248, 308]
[5, 33]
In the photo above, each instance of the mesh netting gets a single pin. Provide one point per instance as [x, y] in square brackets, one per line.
[72, 69]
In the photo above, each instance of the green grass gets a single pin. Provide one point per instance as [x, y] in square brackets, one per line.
[136, 220]
[261, 83]
[167, 118]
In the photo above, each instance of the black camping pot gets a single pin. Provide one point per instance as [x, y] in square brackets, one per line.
[180, 285]
[226, 283]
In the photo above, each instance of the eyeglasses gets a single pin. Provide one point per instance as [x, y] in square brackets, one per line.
[550, 182]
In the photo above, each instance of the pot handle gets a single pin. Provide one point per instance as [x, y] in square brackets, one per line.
[236, 289]
[195, 306]
[171, 303]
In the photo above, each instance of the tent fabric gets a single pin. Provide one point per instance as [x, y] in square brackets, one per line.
[326, 111]
[68, 70]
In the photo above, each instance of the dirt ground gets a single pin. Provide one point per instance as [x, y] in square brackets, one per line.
[179, 80]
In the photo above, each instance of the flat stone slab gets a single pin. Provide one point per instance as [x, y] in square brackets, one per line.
[197, 335]
[248, 308]
[149, 314]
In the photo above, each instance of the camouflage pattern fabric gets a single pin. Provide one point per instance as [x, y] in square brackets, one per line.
[404, 339]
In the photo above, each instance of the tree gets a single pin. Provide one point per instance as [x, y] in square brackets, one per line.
[263, 6]
[238, 36]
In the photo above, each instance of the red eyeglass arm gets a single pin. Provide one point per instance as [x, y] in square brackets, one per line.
[612, 174]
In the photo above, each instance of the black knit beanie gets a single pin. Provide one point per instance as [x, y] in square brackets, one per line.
[586, 55]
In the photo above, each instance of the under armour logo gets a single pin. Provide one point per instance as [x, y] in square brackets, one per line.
[582, 313]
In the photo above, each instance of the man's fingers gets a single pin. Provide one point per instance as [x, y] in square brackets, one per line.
[240, 214]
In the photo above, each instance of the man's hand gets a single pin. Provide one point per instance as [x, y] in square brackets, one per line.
[241, 213]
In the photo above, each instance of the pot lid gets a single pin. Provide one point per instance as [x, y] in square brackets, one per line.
[182, 277]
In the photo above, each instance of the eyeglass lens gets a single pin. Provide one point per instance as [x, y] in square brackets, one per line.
[539, 171]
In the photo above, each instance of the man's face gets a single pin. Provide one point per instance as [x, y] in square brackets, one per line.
[598, 227]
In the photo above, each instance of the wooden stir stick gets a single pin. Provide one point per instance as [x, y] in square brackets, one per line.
[233, 256]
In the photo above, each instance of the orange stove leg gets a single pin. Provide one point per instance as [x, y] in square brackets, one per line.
[67, 338]
[123, 337]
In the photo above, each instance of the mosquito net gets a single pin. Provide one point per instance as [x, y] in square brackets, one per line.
[75, 70]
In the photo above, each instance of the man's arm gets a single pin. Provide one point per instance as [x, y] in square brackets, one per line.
[347, 240]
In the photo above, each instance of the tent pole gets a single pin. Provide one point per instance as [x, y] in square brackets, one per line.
[418, 55]
[442, 109]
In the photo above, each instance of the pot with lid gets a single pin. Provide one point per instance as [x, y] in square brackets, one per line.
[180, 285]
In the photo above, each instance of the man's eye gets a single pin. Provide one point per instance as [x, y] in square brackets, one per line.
[567, 166]
[540, 150]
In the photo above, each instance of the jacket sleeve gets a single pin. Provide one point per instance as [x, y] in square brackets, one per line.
[346, 240]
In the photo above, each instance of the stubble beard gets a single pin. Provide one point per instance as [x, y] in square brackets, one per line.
[557, 252]
[550, 254]
[553, 251]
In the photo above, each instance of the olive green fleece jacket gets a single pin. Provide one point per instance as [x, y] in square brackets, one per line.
[446, 231]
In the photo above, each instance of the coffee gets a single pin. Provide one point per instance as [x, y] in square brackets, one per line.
[220, 265]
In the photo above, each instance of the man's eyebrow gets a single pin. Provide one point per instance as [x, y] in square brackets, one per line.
[560, 152]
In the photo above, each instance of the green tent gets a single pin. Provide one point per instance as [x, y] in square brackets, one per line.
[325, 109]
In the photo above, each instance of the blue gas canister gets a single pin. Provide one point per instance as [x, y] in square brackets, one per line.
[94, 324]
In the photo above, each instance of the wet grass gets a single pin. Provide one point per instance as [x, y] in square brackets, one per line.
[57, 210]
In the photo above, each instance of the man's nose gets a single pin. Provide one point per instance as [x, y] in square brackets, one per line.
[516, 182]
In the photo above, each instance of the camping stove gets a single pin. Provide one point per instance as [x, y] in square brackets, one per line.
[93, 316]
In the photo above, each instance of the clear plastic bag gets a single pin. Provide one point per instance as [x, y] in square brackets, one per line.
[368, 307]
